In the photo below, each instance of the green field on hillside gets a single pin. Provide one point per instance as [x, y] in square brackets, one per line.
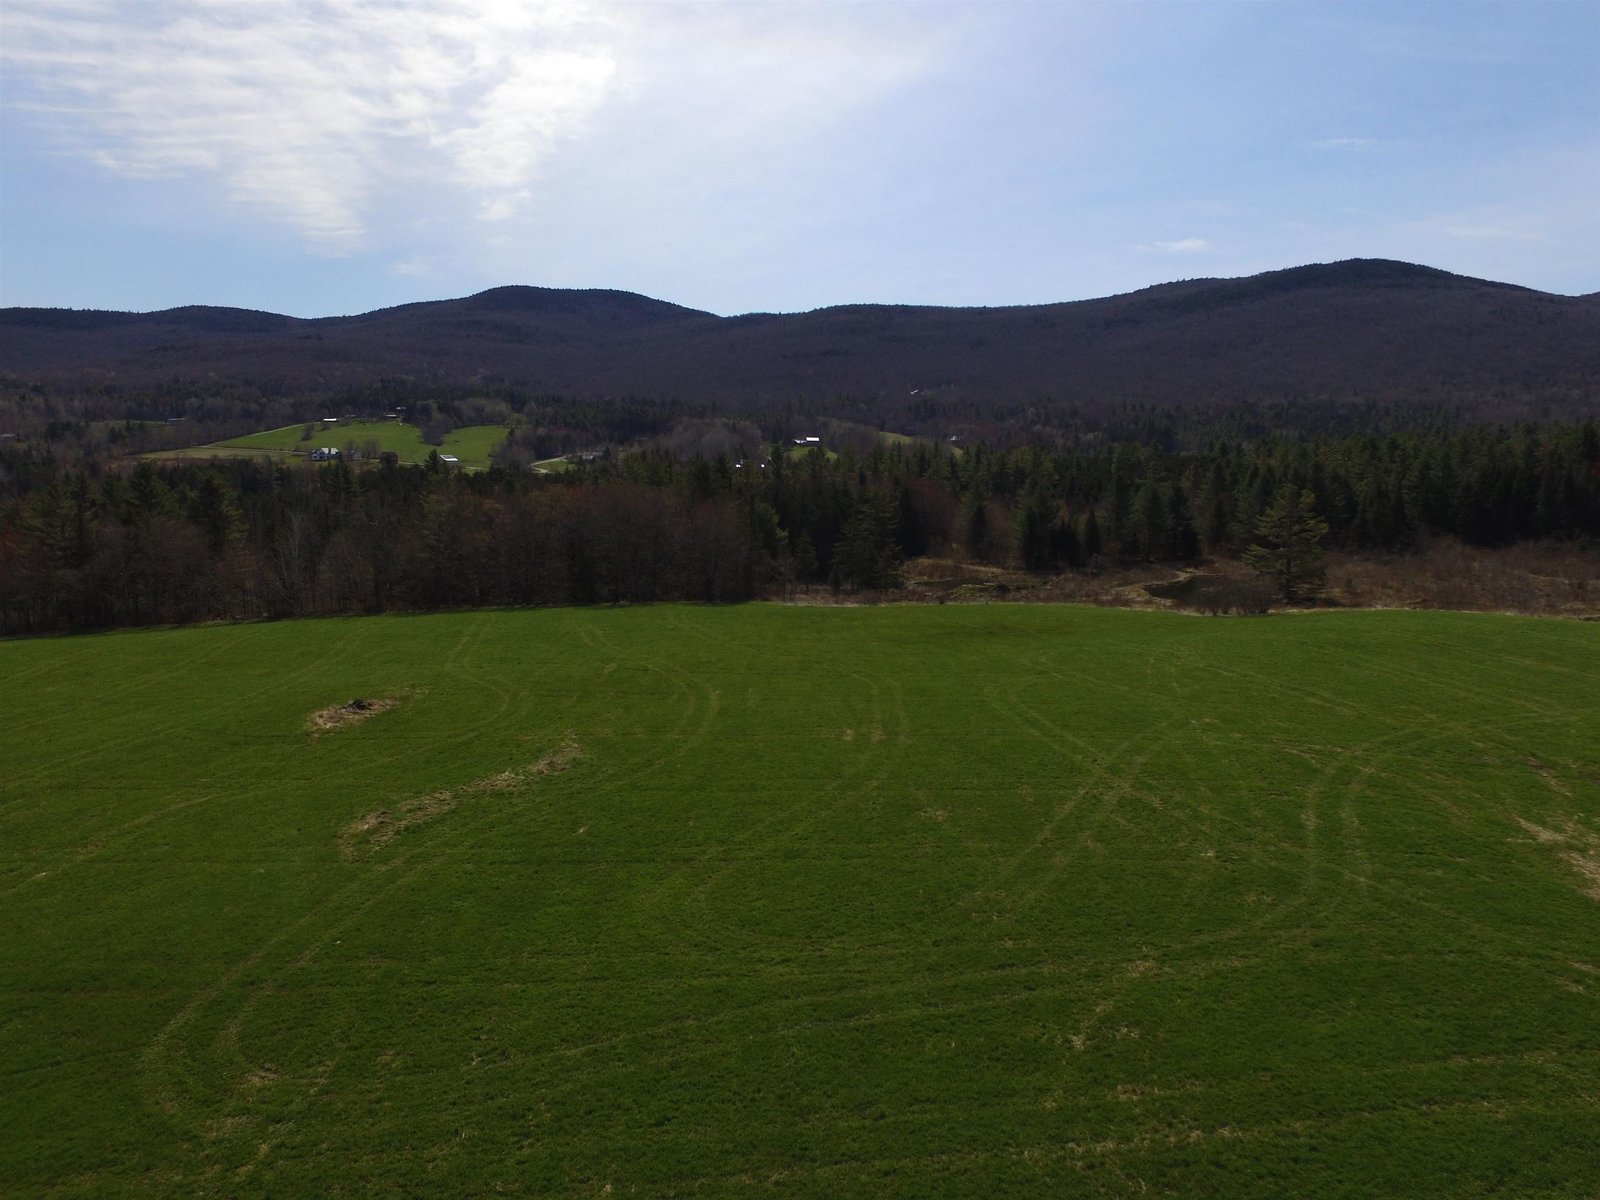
[901, 901]
[472, 444]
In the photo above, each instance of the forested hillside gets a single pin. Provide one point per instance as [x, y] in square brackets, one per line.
[1367, 331]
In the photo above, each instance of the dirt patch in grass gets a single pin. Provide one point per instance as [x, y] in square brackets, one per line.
[1135, 1091]
[1577, 847]
[380, 827]
[557, 761]
[1549, 776]
[1540, 834]
[1587, 864]
[343, 716]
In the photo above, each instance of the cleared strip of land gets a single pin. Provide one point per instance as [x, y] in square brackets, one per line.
[911, 900]
[471, 444]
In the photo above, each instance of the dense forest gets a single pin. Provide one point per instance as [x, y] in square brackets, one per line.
[89, 542]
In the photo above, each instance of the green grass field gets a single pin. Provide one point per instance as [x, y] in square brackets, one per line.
[902, 901]
[472, 444]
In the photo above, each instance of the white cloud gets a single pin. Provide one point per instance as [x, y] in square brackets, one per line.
[307, 111]
[514, 125]
[1189, 245]
[389, 125]
[417, 267]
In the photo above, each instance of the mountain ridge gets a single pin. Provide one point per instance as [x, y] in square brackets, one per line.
[1343, 271]
[1369, 328]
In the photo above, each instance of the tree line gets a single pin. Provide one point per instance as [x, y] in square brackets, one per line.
[95, 543]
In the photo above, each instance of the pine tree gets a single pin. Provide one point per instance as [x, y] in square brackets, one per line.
[975, 524]
[215, 509]
[1033, 528]
[1093, 543]
[868, 555]
[1148, 526]
[1183, 541]
[805, 558]
[1289, 545]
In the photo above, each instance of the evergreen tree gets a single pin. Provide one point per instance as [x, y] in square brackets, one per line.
[1123, 469]
[1288, 549]
[1093, 543]
[975, 523]
[1033, 529]
[216, 510]
[1065, 549]
[868, 555]
[805, 559]
[1148, 527]
[1216, 513]
[1183, 540]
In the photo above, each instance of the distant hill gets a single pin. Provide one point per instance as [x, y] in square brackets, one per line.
[1361, 329]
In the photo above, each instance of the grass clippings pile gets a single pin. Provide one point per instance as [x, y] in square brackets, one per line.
[337, 717]
[380, 827]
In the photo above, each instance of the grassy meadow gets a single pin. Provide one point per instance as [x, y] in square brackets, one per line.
[472, 444]
[899, 901]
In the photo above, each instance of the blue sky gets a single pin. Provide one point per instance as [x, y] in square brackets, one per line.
[317, 157]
